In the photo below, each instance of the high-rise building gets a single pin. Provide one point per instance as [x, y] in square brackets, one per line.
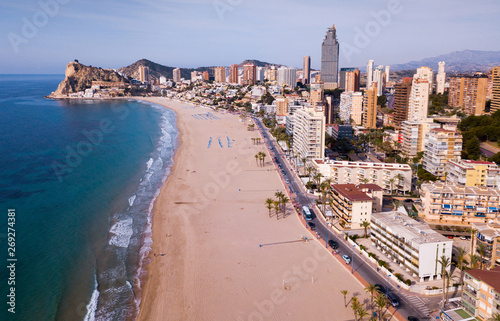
[329, 110]
[233, 74]
[370, 107]
[495, 100]
[349, 79]
[387, 73]
[249, 74]
[440, 146]
[144, 74]
[413, 135]
[440, 78]
[281, 107]
[176, 75]
[260, 74]
[425, 73]
[418, 105]
[206, 75]
[309, 133]
[351, 107]
[330, 58]
[378, 77]
[220, 74]
[468, 93]
[287, 76]
[317, 97]
[307, 69]
[401, 101]
[467, 172]
[369, 74]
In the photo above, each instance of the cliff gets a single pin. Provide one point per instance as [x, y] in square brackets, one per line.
[79, 77]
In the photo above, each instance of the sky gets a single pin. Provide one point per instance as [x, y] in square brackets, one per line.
[42, 36]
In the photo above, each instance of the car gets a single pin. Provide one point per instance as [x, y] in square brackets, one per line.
[393, 300]
[450, 237]
[347, 259]
[380, 288]
[287, 181]
[411, 318]
[463, 238]
[311, 225]
[334, 245]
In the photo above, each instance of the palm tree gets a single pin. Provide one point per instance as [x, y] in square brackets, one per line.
[372, 289]
[473, 232]
[460, 263]
[324, 189]
[449, 276]
[303, 160]
[495, 317]
[396, 204]
[309, 170]
[401, 178]
[381, 302]
[264, 158]
[345, 293]
[365, 225]
[391, 181]
[257, 157]
[474, 259]
[362, 313]
[481, 249]
[355, 305]
[276, 209]
[284, 201]
[269, 205]
[317, 179]
[364, 180]
[445, 263]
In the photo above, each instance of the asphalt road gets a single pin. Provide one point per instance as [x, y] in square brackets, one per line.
[363, 267]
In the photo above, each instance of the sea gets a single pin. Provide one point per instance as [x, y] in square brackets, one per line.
[78, 179]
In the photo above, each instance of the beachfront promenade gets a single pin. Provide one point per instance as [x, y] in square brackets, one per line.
[212, 209]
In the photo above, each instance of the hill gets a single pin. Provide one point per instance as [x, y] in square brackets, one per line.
[258, 63]
[457, 62]
[156, 70]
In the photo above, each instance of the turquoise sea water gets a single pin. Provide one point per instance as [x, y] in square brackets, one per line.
[82, 177]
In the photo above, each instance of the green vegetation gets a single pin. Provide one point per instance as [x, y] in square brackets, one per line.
[382, 101]
[437, 103]
[334, 92]
[477, 129]
[424, 175]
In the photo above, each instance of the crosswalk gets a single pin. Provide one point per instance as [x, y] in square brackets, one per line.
[419, 303]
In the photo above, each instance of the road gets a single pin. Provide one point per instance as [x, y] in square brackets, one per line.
[409, 304]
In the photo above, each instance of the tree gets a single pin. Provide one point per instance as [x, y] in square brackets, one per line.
[449, 276]
[372, 289]
[355, 305]
[495, 317]
[481, 249]
[472, 148]
[317, 178]
[460, 263]
[391, 182]
[345, 293]
[474, 259]
[362, 313]
[381, 302]
[473, 232]
[401, 178]
[276, 209]
[364, 180]
[309, 170]
[257, 158]
[269, 205]
[445, 263]
[365, 225]
[284, 201]
[324, 189]
[303, 160]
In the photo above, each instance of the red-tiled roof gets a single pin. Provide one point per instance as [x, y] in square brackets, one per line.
[491, 277]
[354, 192]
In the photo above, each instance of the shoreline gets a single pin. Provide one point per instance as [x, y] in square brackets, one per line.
[209, 221]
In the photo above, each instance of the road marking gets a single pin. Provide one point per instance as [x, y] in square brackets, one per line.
[418, 303]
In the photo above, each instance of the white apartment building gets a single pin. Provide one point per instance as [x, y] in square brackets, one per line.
[440, 78]
[378, 77]
[425, 73]
[351, 107]
[411, 244]
[177, 75]
[382, 174]
[441, 145]
[309, 128]
[287, 76]
[418, 103]
[467, 172]
[354, 204]
[413, 135]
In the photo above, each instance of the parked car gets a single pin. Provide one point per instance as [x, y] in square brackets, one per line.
[393, 300]
[380, 288]
[450, 237]
[311, 225]
[410, 318]
[347, 259]
[334, 245]
[463, 238]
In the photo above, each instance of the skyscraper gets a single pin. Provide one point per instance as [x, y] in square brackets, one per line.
[287, 76]
[495, 101]
[330, 59]
[468, 93]
[349, 79]
[233, 74]
[440, 78]
[369, 74]
[387, 73]
[370, 107]
[426, 73]
[176, 75]
[418, 105]
[144, 74]
[401, 101]
[307, 69]
[378, 77]
[249, 74]
[220, 74]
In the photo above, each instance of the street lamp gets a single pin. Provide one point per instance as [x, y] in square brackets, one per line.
[352, 259]
[387, 291]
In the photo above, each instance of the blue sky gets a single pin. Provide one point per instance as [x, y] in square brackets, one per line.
[192, 33]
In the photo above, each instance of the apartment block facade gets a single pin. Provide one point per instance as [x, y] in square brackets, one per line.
[440, 146]
[468, 93]
[481, 293]
[467, 172]
[309, 133]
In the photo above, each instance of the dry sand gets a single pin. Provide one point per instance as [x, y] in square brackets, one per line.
[213, 209]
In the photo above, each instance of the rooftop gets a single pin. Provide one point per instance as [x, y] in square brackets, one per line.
[402, 167]
[443, 188]
[406, 228]
[490, 277]
[356, 193]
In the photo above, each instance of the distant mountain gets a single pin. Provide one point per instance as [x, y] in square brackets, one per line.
[457, 62]
[258, 63]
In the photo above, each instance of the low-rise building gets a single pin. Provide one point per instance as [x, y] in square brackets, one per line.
[411, 244]
[488, 234]
[382, 174]
[460, 205]
[473, 173]
[339, 131]
[441, 145]
[481, 293]
[354, 204]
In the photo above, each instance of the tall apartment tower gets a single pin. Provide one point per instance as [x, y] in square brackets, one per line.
[441, 145]
[440, 78]
[309, 133]
[287, 76]
[351, 107]
[220, 74]
[378, 77]
[418, 105]
[401, 101]
[370, 108]
[369, 74]
[349, 79]
[144, 74]
[387, 73]
[425, 73]
[495, 101]
[468, 93]
[249, 74]
[307, 69]
[330, 59]
[233, 74]
[176, 75]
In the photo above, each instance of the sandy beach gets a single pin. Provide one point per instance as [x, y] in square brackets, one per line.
[209, 221]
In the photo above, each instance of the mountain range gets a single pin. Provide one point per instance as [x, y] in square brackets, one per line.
[456, 62]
